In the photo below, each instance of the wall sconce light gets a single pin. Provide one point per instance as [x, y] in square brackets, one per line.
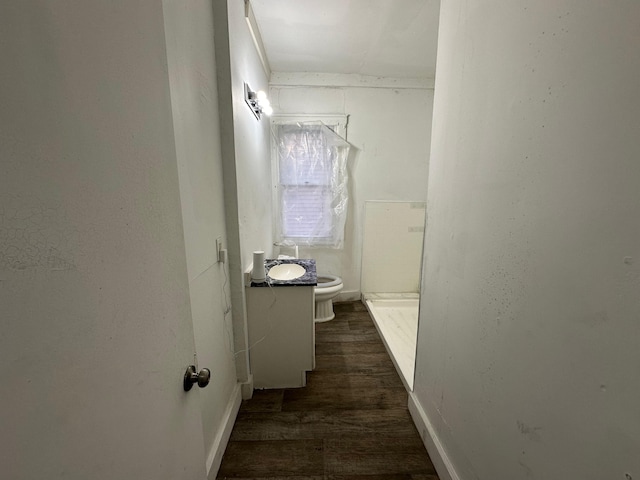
[257, 101]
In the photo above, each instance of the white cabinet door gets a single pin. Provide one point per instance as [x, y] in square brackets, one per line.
[281, 335]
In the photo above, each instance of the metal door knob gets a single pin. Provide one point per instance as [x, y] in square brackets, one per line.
[191, 376]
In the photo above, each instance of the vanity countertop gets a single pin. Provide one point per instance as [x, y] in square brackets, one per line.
[309, 279]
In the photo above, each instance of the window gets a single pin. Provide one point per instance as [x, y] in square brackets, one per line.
[311, 184]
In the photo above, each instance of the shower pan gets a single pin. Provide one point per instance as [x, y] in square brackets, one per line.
[391, 271]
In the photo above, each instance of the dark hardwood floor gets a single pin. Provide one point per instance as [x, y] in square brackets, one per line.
[349, 423]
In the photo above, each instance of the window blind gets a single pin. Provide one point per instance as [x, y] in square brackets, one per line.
[311, 183]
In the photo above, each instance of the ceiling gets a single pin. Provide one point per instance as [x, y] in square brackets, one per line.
[385, 38]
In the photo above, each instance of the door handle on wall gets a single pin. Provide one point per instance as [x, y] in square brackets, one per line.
[191, 376]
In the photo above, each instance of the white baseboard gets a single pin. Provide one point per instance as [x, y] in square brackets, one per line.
[247, 388]
[214, 459]
[436, 451]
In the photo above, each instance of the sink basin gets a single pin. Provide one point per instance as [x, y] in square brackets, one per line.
[286, 271]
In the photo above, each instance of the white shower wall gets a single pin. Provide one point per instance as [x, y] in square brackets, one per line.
[392, 247]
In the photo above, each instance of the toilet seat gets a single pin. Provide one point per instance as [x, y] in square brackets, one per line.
[331, 280]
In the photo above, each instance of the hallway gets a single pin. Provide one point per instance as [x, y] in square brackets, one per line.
[350, 422]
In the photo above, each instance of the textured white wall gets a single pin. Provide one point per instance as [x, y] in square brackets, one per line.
[527, 363]
[389, 129]
[246, 161]
[194, 99]
[252, 141]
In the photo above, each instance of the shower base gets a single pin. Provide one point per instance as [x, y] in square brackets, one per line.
[396, 318]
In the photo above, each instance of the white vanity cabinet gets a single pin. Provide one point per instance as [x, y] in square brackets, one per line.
[281, 335]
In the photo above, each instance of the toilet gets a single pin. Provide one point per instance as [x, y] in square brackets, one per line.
[328, 287]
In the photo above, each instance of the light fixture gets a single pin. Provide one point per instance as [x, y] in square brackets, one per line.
[257, 101]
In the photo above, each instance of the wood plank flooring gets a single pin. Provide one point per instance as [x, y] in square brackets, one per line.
[349, 423]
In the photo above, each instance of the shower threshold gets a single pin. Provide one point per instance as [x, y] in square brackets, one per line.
[395, 315]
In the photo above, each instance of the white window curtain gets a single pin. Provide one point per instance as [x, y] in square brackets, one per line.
[311, 184]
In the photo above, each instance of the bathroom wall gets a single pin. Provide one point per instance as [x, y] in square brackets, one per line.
[252, 141]
[389, 125]
[194, 101]
[527, 362]
[246, 162]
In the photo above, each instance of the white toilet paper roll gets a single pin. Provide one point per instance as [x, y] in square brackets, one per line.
[257, 273]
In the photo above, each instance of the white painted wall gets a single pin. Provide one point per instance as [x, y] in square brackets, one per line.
[95, 329]
[388, 126]
[527, 363]
[252, 141]
[246, 162]
[396, 227]
[194, 100]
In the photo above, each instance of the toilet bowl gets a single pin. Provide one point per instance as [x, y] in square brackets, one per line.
[328, 287]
